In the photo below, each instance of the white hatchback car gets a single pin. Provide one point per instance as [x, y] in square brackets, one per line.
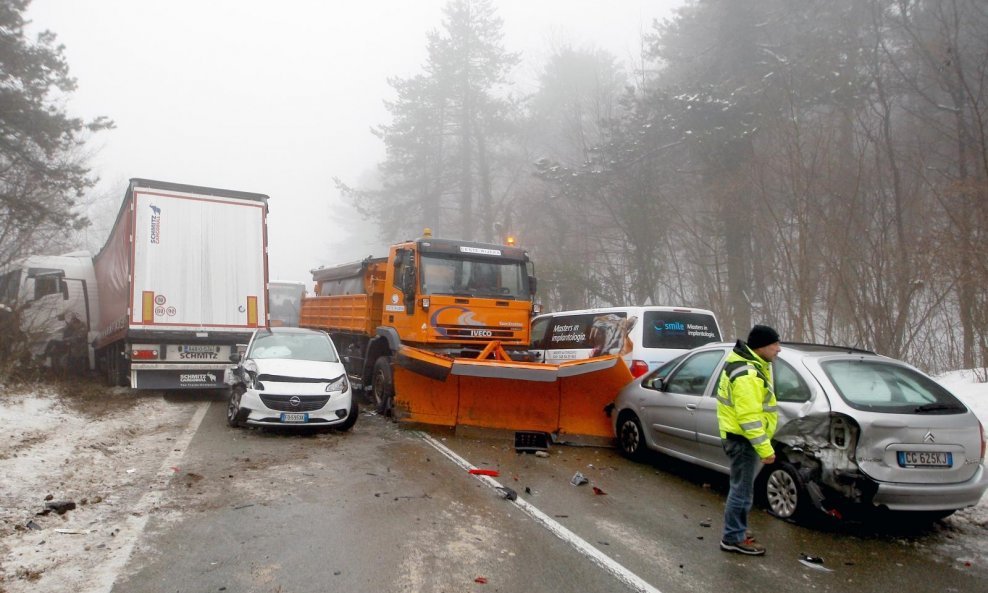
[290, 376]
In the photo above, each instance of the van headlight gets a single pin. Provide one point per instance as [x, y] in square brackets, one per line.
[338, 384]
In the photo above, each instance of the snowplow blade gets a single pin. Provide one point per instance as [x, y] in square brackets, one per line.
[566, 400]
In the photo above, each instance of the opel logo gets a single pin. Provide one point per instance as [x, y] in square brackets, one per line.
[296, 400]
[929, 438]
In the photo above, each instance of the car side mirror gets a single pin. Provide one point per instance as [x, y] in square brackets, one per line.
[235, 358]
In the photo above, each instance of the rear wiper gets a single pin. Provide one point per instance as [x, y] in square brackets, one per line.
[937, 407]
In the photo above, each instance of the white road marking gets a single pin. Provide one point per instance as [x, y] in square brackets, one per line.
[596, 556]
[137, 519]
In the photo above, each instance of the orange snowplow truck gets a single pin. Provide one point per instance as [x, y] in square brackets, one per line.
[439, 333]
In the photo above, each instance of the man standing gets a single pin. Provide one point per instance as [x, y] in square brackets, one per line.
[747, 416]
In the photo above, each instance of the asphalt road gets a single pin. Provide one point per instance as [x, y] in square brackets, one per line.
[386, 508]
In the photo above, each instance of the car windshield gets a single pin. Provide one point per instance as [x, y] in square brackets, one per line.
[315, 347]
[878, 386]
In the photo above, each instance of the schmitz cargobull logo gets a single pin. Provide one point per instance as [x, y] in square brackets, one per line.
[155, 224]
[197, 378]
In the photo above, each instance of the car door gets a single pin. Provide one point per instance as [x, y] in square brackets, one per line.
[791, 392]
[671, 414]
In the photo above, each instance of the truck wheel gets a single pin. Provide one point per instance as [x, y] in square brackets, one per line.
[383, 386]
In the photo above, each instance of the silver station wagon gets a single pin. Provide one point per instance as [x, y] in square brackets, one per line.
[856, 431]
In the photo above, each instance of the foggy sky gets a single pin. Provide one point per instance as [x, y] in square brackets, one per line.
[279, 98]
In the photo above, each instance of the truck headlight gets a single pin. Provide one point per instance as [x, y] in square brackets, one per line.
[338, 384]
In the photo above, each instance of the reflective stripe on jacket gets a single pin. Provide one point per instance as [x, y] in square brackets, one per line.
[746, 403]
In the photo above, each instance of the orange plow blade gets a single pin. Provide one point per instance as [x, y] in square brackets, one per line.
[566, 400]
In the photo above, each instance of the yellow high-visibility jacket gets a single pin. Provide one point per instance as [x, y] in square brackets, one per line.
[746, 403]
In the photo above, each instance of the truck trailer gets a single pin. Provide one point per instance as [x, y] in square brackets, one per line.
[182, 280]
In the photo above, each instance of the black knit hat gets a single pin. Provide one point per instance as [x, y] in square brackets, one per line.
[762, 335]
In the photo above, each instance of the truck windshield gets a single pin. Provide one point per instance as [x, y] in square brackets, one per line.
[456, 275]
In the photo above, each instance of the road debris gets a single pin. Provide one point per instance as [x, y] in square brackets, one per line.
[481, 580]
[579, 479]
[484, 472]
[598, 491]
[507, 493]
[814, 562]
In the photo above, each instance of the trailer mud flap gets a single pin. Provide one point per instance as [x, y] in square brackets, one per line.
[567, 399]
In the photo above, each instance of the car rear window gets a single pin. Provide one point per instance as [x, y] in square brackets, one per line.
[678, 329]
[882, 387]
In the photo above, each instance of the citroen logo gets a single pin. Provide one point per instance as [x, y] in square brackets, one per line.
[296, 400]
[929, 438]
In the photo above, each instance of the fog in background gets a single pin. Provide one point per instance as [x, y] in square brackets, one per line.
[279, 98]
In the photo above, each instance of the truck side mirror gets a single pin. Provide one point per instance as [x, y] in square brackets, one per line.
[533, 284]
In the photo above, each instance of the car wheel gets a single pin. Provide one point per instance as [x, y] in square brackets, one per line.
[784, 491]
[383, 386]
[235, 416]
[351, 418]
[631, 437]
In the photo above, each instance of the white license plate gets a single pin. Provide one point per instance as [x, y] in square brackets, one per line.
[294, 417]
[925, 459]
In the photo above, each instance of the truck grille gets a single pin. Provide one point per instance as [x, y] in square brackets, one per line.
[468, 333]
[282, 403]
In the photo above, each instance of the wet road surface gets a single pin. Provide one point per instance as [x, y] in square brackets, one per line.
[387, 508]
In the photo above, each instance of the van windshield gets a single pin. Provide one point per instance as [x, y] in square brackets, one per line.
[678, 329]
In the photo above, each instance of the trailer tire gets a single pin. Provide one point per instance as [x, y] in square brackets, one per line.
[383, 387]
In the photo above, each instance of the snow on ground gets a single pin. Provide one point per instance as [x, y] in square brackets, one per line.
[97, 448]
[112, 452]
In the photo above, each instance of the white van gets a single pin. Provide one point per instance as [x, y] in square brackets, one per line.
[645, 337]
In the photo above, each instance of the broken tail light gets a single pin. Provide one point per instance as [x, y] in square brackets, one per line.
[638, 368]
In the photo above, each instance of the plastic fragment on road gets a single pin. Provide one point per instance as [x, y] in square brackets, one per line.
[481, 580]
[579, 479]
[814, 562]
[541, 453]
[507, 493]
[598, 491]
[477, 471]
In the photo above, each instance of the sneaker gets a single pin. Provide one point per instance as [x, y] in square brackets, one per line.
[749, 546]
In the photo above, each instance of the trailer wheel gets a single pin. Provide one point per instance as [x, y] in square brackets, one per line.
[383, 386]
[117, 369]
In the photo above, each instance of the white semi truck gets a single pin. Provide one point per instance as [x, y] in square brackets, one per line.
[46, 302]
[182, 280]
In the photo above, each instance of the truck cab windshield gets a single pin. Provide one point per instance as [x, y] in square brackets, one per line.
[480, 277]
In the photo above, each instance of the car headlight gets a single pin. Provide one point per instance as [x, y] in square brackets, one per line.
[338, 384]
